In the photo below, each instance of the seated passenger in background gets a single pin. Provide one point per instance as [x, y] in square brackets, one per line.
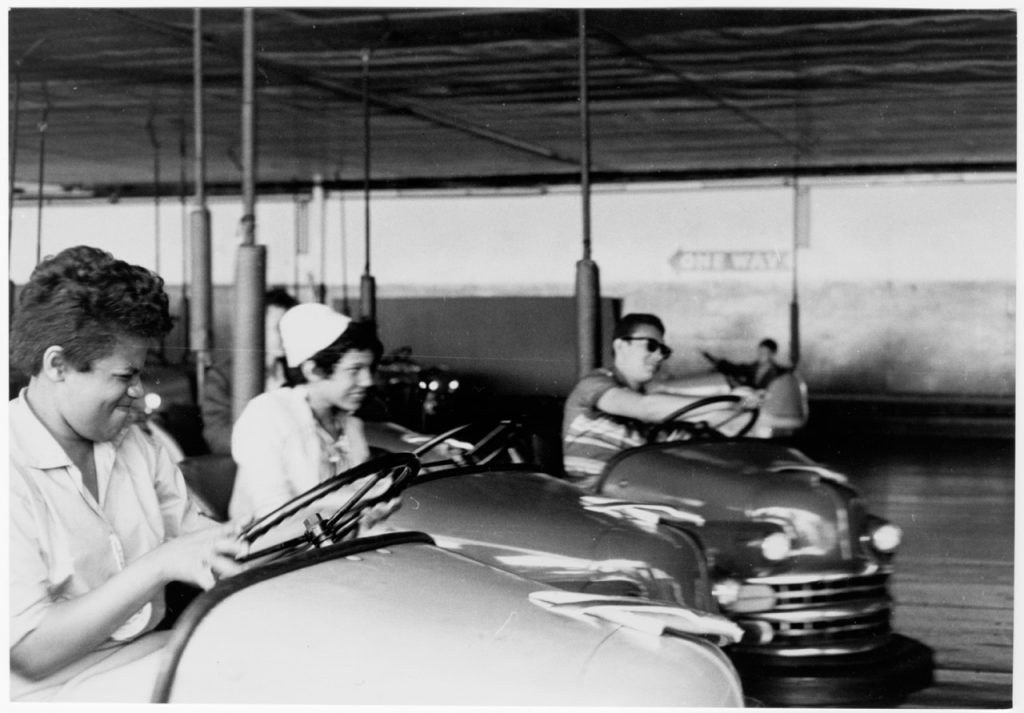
[100, 520]
[288, 440]
[756, 374]
[216, 403]
[608, 410]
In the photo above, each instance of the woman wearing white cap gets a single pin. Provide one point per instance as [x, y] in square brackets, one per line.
[289, 439]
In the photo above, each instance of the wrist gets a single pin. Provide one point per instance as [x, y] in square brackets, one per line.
[153, 568]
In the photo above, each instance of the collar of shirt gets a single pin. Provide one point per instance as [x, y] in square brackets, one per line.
[41, 450]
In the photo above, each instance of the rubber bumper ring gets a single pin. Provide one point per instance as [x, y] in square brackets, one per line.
[881, 677]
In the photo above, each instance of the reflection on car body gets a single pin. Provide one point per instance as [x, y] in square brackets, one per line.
[333, 621]
[794, 556]
[749, 528]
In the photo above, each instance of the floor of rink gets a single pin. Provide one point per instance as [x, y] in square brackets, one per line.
[954, 499]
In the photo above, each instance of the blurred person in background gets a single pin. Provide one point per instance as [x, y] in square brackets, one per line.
[215, 404]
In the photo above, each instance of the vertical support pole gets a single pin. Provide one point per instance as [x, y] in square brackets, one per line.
[300, 245]
[157, 242]
[320, 206]
[801, 238]
[343, 239]
[155, 143]
[248, 377]
[43, 125]
[13, 158]
[588, 288]
[186, 314]
[13, 151]
[201, 303]
[367, 285]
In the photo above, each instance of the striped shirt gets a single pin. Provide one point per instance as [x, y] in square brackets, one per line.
[591, 437]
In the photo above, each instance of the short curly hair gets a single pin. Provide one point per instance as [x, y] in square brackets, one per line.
[83, 299]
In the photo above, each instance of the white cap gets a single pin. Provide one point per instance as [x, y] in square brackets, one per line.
[309, 327]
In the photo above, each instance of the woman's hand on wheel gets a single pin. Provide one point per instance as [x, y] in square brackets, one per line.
[201, 558]
[375, 514]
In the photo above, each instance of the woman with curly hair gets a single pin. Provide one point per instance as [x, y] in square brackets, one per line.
[100, 520]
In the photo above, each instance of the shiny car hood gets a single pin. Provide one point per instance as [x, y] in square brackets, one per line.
[408, 623]
[722, 479]
[746, 480]
[533, 524]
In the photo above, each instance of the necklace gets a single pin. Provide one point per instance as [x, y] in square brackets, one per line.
[333, 425]
[332, 438]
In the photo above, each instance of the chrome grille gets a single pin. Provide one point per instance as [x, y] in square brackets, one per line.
[832, 630]
[828, 615]
[831, 591]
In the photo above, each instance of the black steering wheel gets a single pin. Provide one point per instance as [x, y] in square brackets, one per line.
[703, 428]
[400, 467]
[504, 437]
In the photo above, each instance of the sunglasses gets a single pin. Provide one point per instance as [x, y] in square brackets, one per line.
[653, 345]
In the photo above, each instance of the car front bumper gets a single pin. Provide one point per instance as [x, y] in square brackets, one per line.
[881, 677]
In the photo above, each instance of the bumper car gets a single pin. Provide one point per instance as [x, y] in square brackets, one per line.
[795, 557]
[326, 614]
[426, 398]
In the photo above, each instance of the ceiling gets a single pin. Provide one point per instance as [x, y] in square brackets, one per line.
[490, 97]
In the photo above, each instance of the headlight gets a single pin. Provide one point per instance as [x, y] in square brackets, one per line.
[726, 592]
[434, 385]
[886, 538]
[739, 598]
[453, 384]
[151, 401]
[775, 547]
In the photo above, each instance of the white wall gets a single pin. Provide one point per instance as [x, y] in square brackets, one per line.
[931, 231]
[905, 285]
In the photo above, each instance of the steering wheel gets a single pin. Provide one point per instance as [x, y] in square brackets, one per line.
[400, 467]
[703, 428]
[502, 438]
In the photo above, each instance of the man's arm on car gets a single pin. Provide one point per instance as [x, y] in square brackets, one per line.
[651, 408]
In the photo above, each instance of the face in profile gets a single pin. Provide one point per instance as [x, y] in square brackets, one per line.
[346, 387]
[633, 357]
[96, 404]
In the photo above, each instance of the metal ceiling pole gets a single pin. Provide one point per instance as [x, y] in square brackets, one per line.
[151, 130]
[201, 303]
[588, 287]
[801, 237]
[345, 308]
[13, 151]
[367, 285]
[155, 143]
[43, 125]
[320, 202]
[248, 373]
[183, 203]
[13, 157]
[299, 224]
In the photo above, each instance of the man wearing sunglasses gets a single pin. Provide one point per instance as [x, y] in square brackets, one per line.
[608, 410]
